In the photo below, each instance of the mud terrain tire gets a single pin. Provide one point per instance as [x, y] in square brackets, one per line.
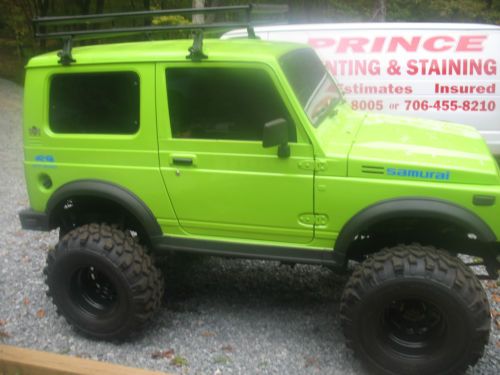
[103, 282]
[413, 309]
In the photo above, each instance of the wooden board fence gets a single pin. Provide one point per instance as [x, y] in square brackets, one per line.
[18, 361]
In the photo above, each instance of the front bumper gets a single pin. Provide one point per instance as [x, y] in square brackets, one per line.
[34, 220]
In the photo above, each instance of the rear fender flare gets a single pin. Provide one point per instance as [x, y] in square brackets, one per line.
[114, 193]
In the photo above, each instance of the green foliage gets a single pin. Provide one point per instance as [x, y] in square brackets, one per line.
[179, 361]
[482, 11]
[170, 20]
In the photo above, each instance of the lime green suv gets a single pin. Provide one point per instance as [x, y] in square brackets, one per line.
[246, 148]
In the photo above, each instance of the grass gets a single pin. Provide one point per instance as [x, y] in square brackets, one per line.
[222, 359]
[179, 361]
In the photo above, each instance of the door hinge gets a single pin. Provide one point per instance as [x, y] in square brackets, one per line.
[313, 219]
[315, 165]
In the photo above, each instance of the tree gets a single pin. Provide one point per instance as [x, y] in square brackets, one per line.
[99, 6]
[198, 18]
[84, 6]
[18, 18]
[379, 10]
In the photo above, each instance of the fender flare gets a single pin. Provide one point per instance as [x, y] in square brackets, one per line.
[117, 194]
[411, 207]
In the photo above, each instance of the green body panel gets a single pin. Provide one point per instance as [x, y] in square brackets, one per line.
[401, 142]
[130, 161]
[343, 198]
[237, 190]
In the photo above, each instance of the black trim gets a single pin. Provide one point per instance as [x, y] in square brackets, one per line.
[33, 220]
[93, 188]
[410, 207]
[249, 251]
[372, 167]
[483, 200]
[182, 161]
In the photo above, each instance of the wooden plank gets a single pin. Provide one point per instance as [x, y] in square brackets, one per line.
[18, 361]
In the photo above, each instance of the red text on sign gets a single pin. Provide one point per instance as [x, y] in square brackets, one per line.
[438, 43]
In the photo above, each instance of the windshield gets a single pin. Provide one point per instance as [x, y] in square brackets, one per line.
[315, 88]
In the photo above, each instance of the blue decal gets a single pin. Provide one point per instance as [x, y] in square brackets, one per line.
[47, 161]
[417, 173]
[45, 158]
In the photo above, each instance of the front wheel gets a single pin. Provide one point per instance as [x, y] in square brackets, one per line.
[415, 310]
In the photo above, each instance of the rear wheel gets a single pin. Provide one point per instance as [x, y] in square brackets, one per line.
[103, 282]
[415, 310]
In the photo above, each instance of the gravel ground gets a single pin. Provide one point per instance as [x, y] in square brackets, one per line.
[220, 316]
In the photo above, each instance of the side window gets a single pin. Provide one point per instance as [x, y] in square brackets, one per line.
[95, 103]
[223, 103]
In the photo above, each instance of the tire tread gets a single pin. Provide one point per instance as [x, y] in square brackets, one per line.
[425, 262]
[129, 257]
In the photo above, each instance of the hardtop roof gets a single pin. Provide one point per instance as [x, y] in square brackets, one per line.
[246, 50]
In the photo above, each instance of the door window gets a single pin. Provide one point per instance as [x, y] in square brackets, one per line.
[223, 103]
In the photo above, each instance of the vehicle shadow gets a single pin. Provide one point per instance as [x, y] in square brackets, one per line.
[249, 281]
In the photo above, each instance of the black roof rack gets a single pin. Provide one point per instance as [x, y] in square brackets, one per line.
[41, 24]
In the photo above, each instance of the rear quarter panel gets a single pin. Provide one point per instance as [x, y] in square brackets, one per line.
[130, 161]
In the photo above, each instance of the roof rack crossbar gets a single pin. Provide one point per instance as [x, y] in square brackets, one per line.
[256, 9]
[104, 17]
[195, 52]
[78, 35]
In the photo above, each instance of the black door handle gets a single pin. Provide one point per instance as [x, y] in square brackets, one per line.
[182, 161]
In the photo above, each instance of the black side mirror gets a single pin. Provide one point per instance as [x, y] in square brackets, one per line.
[276, 134]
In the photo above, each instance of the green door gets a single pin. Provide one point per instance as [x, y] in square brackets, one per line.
[221, 181]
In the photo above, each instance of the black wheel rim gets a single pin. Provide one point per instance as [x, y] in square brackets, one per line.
[412, 327]
[93, 292]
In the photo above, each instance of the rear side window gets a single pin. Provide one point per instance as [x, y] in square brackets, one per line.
[94, 103]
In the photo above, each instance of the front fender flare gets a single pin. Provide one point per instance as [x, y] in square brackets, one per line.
[411, 207]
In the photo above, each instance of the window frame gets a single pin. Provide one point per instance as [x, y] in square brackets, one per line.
[92, 69]
[283, 60]
[164, 120]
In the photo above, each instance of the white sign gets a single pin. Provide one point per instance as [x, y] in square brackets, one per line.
[446, 72]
